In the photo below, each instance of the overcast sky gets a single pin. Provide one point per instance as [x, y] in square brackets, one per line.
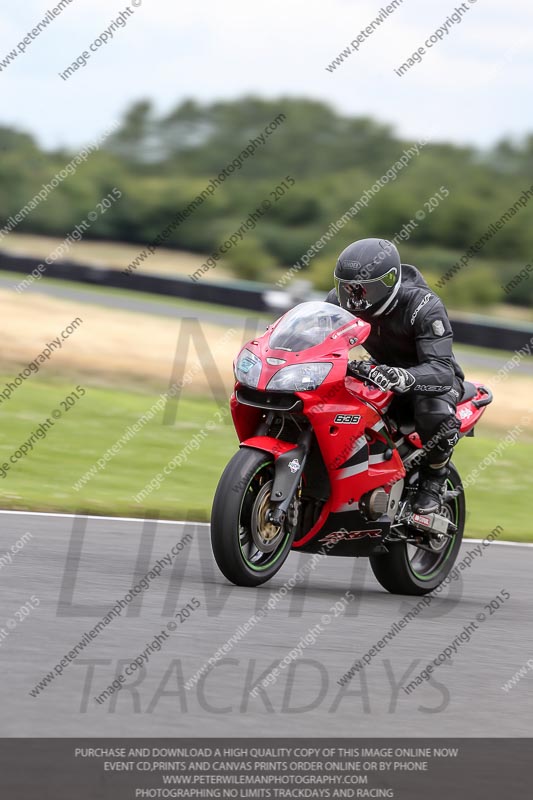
[473, 86]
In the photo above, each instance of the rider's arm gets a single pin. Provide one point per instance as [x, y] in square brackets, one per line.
[434, 343]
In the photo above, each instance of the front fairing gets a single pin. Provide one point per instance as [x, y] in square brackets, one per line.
[346, 415]
[309, 333]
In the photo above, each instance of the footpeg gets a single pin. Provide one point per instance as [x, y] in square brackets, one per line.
[452, 494]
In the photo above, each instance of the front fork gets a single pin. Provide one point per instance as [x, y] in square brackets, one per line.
[289, 469]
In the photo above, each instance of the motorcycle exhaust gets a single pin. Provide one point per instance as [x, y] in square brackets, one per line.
[431, 523]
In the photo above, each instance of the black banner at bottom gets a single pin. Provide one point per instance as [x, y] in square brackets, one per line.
[127, 769]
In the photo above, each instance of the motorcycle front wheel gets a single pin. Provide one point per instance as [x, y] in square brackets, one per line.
[406, 569]
[248, 549]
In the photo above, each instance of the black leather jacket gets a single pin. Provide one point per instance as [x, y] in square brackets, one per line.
[415, 334]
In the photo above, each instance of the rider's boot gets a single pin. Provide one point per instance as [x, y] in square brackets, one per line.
[431, 486]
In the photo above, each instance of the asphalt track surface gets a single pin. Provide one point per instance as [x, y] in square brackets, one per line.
[78, 567]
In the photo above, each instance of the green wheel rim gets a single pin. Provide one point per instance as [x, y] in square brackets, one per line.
[278, 552]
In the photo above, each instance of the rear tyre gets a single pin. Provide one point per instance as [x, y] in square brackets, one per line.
[407, 569]
[247, 549]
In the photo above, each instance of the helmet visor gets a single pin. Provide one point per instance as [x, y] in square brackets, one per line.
[365, 293]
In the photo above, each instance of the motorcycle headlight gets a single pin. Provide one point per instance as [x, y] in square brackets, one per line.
[248, 369]
[299, 377]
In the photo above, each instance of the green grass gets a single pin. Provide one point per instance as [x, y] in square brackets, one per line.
[500, 495]
[43, 480]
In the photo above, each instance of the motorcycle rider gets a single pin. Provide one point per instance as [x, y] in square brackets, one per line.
[411, 347]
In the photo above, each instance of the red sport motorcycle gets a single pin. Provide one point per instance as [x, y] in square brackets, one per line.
[324, 466]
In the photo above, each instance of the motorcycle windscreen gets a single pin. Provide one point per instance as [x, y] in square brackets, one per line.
[308, 325]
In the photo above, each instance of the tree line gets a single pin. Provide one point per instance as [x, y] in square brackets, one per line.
[200, 171]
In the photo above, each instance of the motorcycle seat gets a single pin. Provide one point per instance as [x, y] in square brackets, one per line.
[470, 391]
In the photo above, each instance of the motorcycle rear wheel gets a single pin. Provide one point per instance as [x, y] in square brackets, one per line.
[406, 569]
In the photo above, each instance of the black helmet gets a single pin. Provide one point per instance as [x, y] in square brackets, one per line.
[368, 275]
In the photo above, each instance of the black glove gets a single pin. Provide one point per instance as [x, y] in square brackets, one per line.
[360, 369]
[393, 379]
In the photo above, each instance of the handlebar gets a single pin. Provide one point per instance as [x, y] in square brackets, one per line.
[362, 372]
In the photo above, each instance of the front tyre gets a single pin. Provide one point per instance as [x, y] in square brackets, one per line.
[407, 569]
[247, 548]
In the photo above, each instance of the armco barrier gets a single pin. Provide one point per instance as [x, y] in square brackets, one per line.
[239, 295]
[468, 329]
[489, 332]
